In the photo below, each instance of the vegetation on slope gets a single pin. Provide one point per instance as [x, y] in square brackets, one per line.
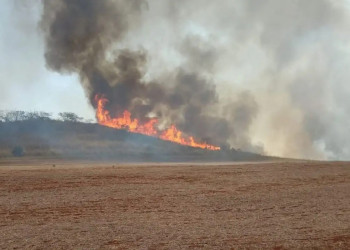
[41, 136]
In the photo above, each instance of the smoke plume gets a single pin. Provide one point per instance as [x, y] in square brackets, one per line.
[265, 77]
[82, 37]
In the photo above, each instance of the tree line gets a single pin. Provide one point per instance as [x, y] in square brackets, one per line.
[15, 116]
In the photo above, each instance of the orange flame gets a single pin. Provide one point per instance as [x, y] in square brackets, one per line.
[149, 128]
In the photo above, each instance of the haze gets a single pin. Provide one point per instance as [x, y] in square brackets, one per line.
[280, 69]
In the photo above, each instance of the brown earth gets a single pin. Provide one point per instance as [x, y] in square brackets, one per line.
[180, 206]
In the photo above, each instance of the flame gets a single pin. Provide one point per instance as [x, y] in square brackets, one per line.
[148, 128]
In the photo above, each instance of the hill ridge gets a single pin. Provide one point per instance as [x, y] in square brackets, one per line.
[51, 138]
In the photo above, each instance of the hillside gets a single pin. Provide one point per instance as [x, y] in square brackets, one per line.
[75, 140]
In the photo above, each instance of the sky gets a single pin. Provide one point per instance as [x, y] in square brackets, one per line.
[25, 81]
[280, 67]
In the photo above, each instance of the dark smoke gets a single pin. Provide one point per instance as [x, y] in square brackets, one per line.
[86, 37]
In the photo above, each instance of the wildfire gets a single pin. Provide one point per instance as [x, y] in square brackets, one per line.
[148, 128]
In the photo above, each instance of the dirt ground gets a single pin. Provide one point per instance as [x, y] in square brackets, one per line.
[283, 205]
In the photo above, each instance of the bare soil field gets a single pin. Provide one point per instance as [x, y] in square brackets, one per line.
[76, 205]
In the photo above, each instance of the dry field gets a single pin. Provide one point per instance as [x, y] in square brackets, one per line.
[174, 206]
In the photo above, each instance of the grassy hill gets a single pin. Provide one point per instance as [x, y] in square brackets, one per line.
[75, 140]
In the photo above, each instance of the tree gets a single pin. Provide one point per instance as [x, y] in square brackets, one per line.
[70, 117]
[32, 115]
[45, 116]
[2, 116]
[14, 116]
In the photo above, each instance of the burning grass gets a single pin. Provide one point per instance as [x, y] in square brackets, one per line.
[124, 121]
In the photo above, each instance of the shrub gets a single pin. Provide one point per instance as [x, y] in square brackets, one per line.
[18, 151]
[70, 117]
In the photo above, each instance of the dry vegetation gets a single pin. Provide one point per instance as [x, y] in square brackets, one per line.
[77, 140]
[182, 206]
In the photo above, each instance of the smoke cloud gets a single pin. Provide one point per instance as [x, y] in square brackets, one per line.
[265, 77]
